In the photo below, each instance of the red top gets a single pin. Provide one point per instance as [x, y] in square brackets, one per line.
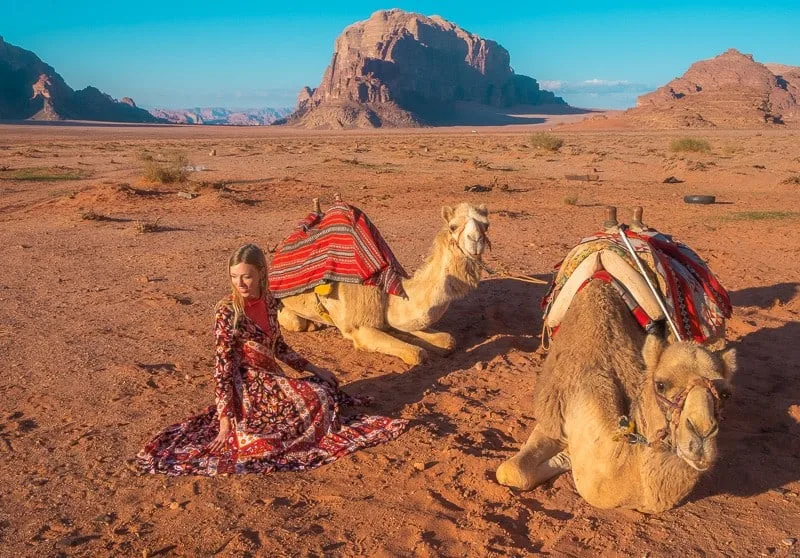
[256, 310]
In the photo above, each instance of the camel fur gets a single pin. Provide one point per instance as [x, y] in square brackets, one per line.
[366, 315]
[602, 366]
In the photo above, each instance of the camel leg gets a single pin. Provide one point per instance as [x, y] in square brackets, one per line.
[530, 467]
[371, 339]
[294, 322]
[559, 463]
[439, 339]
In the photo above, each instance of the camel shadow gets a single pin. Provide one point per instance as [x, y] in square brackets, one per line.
[759, 441]
[501, 315]
[764, 297]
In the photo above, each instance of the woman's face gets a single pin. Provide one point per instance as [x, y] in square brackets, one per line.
[246, 279]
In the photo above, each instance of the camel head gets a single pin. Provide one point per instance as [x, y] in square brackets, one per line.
[689, 384]
[467, 228]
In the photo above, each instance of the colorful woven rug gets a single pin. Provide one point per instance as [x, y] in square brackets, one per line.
[695, 299]
[340, 245]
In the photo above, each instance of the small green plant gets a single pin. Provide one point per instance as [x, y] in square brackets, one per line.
[571, 200]
[690, 144]
[762, 215]
[43, 174]
[171, 168]
[548, 142]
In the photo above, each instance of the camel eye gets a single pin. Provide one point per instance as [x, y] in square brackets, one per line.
[725, 395]
[453, 228]
[660, 387]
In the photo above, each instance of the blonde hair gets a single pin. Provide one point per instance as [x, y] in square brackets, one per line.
[247, 254]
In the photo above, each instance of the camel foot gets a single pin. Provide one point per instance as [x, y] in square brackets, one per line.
[511, 474]
[414, 357]
[443, 341]
[440, 340]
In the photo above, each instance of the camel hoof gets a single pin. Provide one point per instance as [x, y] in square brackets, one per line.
[416, 357]
[509, 474]
[447, 343]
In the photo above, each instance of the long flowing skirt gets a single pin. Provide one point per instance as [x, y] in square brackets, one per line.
[304, 431]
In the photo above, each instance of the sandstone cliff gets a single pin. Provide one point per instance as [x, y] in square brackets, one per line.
[405, 69]
[731, 90]
[33, 90]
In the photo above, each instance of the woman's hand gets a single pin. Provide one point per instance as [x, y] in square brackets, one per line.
[222, 438]
[324, 375]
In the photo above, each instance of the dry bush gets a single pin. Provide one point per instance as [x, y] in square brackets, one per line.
[148, 226]
[571, 200]
[794, 179]
[690, 144]
[546, 141]
[92, 215]
[167, 169]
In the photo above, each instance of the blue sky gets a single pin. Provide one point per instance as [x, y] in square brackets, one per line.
[258, 54]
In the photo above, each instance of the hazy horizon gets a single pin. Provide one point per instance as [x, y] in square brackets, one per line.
[183, 55]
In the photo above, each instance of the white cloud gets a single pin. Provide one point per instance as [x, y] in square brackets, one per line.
[597, 92]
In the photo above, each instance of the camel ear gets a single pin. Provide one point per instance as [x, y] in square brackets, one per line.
[653, 348]
[482, 210]
[447, 213]
[729, 364]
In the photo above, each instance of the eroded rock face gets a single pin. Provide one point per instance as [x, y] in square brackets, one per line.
[731, 90]
[399, 68]
[32, 89]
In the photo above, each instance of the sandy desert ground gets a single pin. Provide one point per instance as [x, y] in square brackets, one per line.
[105, 337]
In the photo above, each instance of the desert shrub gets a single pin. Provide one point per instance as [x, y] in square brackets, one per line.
[149, 226]
[690, 144]
[794, 179]
[546, 141]
[571, 200]
[168, 169]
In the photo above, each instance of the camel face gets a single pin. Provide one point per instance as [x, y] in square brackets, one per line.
[468, 226]
[690, 385]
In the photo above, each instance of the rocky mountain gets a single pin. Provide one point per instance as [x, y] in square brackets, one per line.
[731, 90]
[222, 116]
[404, 69]
[31, 89]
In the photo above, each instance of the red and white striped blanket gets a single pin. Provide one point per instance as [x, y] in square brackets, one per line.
[340, 245]
[694, 297]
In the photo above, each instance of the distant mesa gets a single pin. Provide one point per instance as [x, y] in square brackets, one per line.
[33, 90]
[400, 69]
[731, 90]
[217, 116]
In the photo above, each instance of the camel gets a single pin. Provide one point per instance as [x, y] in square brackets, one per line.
[365, 315]
[601, 367]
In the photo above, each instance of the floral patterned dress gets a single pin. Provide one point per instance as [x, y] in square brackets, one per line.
[278, 423]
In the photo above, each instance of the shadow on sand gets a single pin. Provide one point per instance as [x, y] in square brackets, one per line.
[759, 441]
[764, 297]
[475, 114]
[499, 316]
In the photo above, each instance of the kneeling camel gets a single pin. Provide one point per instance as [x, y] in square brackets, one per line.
[602, 367]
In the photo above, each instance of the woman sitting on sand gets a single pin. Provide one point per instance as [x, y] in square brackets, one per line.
[262, 420]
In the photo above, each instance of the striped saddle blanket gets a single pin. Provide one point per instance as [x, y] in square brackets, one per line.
[339, 245]
[695, 300]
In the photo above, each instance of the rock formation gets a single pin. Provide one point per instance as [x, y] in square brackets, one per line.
[33, 90]
[217, 116]
[405, 69]
[731, 90]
